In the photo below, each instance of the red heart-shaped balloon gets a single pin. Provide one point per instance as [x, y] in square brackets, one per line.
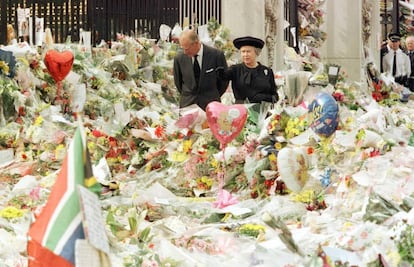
[226, 122]
[58, 63]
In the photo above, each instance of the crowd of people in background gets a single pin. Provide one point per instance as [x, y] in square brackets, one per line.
[397, 59]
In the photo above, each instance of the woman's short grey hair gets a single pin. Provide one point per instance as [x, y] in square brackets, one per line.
[258, 51]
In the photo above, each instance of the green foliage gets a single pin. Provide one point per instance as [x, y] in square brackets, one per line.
[405, 244]
[8, 91]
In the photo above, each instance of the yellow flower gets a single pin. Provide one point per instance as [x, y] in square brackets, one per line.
[226, 217]
[91, 146]
[4, 67]
[272, 157]
[214, 163]
[346, 226]
[278, 146]
[38, 121]
[11, 212]
[305, 196]
[178, 156]
[393, 257]
[187, 144]
[208, 182]
[252, 229]
[60, 151]
[148, 167]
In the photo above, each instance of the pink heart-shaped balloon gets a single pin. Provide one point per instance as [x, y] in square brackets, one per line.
[58, 63]
[226, 122]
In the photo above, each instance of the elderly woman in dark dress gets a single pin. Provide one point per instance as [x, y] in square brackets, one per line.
[251, 81]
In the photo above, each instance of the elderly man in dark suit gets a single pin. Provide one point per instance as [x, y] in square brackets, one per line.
[195, 71]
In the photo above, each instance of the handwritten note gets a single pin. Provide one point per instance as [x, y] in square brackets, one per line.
[92, 220]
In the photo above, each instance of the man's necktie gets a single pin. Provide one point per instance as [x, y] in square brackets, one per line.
[394, 64]
[196, 68]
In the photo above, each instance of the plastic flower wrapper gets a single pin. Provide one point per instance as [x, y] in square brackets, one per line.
[401, 231]
[100, 52]
[7, 63]
[285, 234]
[166, 55]
[223, 242]
[161, 74]
[8, 87]
[375, 118]
[134, 50]
[179, 255]
[352, 95]
[311, 18]
[204, 34]
[385, 178]
[254, 165]
[256, 120]
[137, 100]
[287, 209]
[334, 256]
[175, 32]
[14, 240]
[112, 91]
[221, 38]
[379, 209]
[292, 59]
[228, 97]
[127, 224]
[320, 77]
[367, 240]
[163, 77]
[25, 76]
[191, 117]
[296, 84]
[289, 121]
[43, 130]
[135, 244]
[118, 47]
[118, 69]
[208, 244]
[148, 52]
[27, 194]
[252, 230]
[155, 93]
[8, 134]
[96, 106]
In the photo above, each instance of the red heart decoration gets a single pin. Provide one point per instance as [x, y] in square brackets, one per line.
[58, 63]
[226, 122]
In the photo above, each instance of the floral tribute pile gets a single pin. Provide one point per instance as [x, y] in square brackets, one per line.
[305, 196]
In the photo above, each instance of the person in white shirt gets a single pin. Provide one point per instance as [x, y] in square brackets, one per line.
[396, 62]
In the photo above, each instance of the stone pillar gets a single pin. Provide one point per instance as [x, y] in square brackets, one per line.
[375, 40]
[274, 32]
[244, 17]
[343, 45]
[280, 40]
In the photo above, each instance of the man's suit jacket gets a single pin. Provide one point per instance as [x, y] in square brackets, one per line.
[411, 56]
[210, 88]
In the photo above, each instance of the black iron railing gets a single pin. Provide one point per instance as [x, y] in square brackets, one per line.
[104, 18]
